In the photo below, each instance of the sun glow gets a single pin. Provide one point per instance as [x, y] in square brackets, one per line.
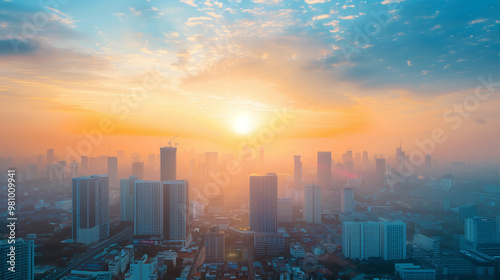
[242, 123]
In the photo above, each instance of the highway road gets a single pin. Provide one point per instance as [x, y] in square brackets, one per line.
[58, 274]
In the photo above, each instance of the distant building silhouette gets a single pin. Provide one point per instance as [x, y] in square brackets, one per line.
[168, 166]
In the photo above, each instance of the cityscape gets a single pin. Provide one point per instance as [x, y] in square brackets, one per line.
[259, 139]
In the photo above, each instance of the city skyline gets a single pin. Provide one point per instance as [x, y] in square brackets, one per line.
[250, 139]
[220, 69]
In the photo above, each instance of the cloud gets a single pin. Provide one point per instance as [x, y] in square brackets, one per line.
[311, 2]
[189, 2]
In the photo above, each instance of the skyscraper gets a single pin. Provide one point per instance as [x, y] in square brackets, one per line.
[361, 240]
[31, 172]
[312, 204]
[211, 159]
[138, 169]
[112, 167]
[466, 211]
[214, 246]
[168, 163]
[90, 209]
[73, 167]
[297, 172]
[347, 203]
[24, 259]
[127, 199]
[160, 208]
[393, 240]
[324, 168]
[50, 156]
[481, 230]
[264, 203]
[84, 165]
[175, 209]
[148, 207]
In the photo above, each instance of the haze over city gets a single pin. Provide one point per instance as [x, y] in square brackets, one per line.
[259, 139]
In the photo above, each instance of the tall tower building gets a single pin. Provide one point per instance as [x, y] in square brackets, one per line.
[112, 167]
[264, 203]
[84, 165]
[168, 163]
[160, 208]
[73, 168]
[393, 240]
[50, 156]
[31, 172]
[138, 169]
[347, 203]
[90, 209]
[175, 209]
[481, 230]
[214, 246]
[24, 259]
[361, 240]
[127, 199]
[148, 208]
[324, 168]
[297, 172]
[466, 211]
[211, 161]
[312, 204]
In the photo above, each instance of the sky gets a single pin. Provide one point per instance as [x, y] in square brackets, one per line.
[340, 75]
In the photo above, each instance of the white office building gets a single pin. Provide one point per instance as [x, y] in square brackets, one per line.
[347, 201]
[312, 204]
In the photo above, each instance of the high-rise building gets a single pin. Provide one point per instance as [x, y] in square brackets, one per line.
[148, 207]
[160, 208]
[380, 169]
[168, 162]
[127, 199]
[85, 165]
[297, 172]
[481, 230]
[348, 204]
[324, 168]
[24, 252]
[324, 173]
[466, 211]
[214, 246]
[264, 203]
[285, 214]
[211, 161]
[312, 204]
[428, 162]
[138, 169]
[197, 209]
[175, 209]
[361, 240]
[31, 172]
[50, 156]
[73, 169]
[90, 209]
[393, 240]
[112, 168]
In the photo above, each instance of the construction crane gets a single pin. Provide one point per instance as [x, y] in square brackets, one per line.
[170, 142]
